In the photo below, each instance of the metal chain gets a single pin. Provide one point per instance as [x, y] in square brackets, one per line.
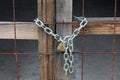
[66, 55]
[71, 57]
[67, 41]
[48, 30]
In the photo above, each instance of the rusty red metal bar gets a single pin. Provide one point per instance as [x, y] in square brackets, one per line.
[113, 46]
[82, 52]
[15, 44]
[59, 53]
[82, 63]
[73, 22]
[115, 10]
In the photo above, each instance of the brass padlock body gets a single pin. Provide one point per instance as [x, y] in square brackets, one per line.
[61, 47]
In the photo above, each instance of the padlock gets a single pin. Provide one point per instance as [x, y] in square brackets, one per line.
[61, 47]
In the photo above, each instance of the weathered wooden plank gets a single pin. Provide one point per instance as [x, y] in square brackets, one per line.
[25, 30]
[28, 30]
[42, 43]
[63, 13]
[100, 28]
[50, 18]
[46, 13]
[117, 29]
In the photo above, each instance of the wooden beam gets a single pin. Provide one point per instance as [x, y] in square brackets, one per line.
[100, 28]
[50, 40]
[46, 13]
[29, 30]
[117, 29]
[42, 42]
[24, 30]
[63, 14]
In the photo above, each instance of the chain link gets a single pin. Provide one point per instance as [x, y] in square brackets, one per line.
[67, 41]
[66, 58]
[48, 30]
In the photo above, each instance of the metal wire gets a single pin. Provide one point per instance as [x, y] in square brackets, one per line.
[82, 64]
[15, 44]
[16, 53]
[113, 46]
[42, 53]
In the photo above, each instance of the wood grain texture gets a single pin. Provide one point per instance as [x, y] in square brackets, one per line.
[50, 40]
[29, 30]
[24, 30]
[42, 42]
[46, 13]
[63, 14]
[100, 28]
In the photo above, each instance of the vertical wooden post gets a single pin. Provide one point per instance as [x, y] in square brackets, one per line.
[63, 13]
[46, 13]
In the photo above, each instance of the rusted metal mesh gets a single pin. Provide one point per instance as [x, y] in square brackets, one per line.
[82, 52]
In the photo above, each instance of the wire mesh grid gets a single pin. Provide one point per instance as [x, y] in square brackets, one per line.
[83, 53]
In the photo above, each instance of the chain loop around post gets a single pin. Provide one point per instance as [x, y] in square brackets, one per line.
[67, 41]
